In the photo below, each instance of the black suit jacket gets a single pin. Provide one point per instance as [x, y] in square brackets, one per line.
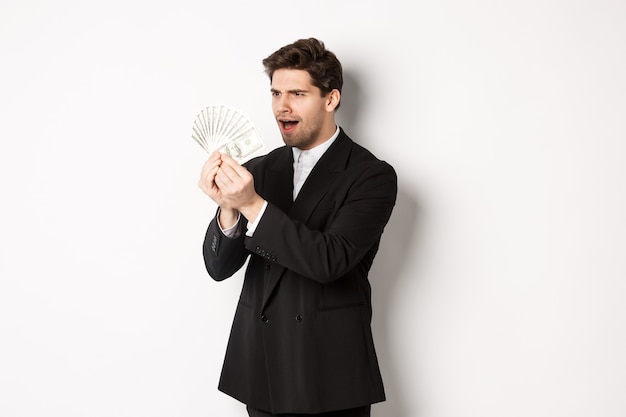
[301, 340]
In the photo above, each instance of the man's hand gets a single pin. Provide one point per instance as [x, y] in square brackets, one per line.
[207, 178]
[231, 186]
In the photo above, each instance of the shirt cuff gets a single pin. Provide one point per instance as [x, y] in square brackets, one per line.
[232, 231]
[252, 226]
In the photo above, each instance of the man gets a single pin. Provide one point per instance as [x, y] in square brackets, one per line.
[309, 216]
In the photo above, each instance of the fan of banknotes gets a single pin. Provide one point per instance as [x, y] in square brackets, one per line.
[225, 129]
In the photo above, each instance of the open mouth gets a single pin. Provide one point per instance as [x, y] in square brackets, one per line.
[288, 125]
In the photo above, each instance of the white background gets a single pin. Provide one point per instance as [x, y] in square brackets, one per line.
[500, 284]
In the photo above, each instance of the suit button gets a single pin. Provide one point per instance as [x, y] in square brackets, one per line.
[299, 317]
[264, 318]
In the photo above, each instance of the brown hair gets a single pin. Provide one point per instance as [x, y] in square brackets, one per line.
[312, 56]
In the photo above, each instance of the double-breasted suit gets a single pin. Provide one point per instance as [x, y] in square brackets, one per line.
[301, 340]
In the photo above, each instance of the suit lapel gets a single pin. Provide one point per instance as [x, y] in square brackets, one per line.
[278, 189]
[317, 184]
[278, 185]
[320, 179]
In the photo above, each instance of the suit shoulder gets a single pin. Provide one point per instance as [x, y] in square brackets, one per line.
[362, 156]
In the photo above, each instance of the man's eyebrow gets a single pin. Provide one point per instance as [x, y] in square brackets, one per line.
[295, 90]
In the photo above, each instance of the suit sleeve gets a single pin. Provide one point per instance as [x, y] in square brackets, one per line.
[223, 256]
[352, 228]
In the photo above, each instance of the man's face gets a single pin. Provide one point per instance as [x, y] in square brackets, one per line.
[304, 117]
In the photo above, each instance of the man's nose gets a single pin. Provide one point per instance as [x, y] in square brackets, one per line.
[283, 103]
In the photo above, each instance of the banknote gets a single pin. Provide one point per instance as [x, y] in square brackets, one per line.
[243, 147]
[225, 129]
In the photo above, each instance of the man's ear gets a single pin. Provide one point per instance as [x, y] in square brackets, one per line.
[332, 100]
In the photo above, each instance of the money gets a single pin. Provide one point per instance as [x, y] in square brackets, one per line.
[226, 130]
[240, 149]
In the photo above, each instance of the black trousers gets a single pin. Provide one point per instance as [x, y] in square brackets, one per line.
[351, 412]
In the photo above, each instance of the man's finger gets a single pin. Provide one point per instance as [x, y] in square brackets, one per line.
[227, 160]
[212, 162]
[230, 173]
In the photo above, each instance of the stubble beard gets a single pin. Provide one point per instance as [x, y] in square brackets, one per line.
[302, 138]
